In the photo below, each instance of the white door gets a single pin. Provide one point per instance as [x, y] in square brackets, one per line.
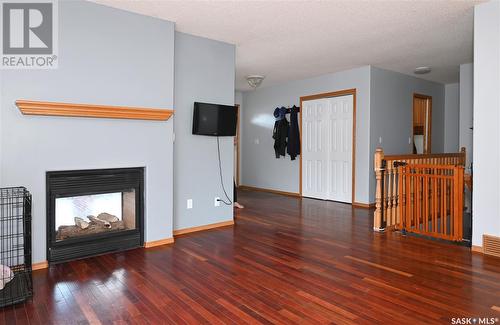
[314, 148]
[327, 148]
[340, 148]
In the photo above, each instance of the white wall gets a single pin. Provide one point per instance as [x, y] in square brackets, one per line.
[204, 72]
[260, 168]
[106, 56]
[451, 117]
[466, 110]
[486, 194]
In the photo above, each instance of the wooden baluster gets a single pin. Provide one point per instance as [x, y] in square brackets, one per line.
[401, 199]
[460, 202]
[395, 192]
[418, 214]
[423, 201]
[409, 209]
[434, 205]
[453, 205]
[443, 206]
[446, 209]
[388, 195]
[377, 215]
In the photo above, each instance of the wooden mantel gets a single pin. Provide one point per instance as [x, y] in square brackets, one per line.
[28, 107]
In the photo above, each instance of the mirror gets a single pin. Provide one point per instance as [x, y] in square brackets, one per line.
[422, 118]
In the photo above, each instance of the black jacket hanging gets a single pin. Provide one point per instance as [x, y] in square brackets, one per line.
[280, 132]
[293, 147]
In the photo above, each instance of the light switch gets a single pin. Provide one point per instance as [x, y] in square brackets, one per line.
[190, 203]
[256, 141]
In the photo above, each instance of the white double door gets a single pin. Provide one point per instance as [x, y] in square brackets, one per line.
[327, 148]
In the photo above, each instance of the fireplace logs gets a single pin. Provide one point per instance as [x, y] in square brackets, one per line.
[103, 222]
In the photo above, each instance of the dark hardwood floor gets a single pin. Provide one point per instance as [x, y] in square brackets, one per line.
[285, 261]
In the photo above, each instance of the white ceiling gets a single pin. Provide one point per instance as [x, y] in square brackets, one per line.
[286, 40]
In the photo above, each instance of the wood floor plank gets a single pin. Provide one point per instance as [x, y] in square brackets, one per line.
[379, 266]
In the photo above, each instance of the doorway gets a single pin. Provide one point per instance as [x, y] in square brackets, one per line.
[328, 146]
[422, 124]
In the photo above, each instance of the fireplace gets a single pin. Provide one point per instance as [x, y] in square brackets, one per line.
[91, 212]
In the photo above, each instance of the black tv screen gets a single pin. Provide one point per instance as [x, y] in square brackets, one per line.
[214, 119]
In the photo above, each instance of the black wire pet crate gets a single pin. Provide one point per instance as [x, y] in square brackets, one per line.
[15, 246]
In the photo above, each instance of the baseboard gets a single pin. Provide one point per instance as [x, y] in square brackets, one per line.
[267, 190]
[40, 265]
[205, 227]
[477, 249]
[160, 242]
[363, 205]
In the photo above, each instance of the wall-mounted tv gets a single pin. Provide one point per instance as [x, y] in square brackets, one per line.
[214, 119]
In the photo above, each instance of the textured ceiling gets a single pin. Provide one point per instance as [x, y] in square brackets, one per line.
[288, 40]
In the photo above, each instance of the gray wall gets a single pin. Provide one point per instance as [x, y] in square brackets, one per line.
[107, 56]
[204, 71]
[466, 112]
[392, 109]
[260, 168]
[486, 206]
[384, 109]
[238, 99]
[451, 117]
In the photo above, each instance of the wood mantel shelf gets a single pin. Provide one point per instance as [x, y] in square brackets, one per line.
[29, 107]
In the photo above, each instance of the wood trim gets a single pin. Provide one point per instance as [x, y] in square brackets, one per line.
[201, 228]
[28, 107]
[423, 156]
[40, 265]
[363, 205]
[339, 93]
[159, 242]
[477, 249]
[429, 141]
[267, 190]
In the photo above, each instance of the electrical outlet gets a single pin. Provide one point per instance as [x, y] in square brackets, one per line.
[217, 202]
[190, 203]
[256, 141]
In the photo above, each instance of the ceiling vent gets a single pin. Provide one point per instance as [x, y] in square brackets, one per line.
[491, 245]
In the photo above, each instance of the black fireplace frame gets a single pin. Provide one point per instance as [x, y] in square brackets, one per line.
[87, 182]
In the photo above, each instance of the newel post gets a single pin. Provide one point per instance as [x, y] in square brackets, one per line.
[464, 156]
[379, 168]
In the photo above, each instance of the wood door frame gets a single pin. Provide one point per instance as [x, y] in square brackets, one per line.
[339, 93]
[429, 142]
[237, 140]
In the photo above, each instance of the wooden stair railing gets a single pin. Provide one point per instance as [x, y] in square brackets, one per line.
[432, 200]
[387, 214]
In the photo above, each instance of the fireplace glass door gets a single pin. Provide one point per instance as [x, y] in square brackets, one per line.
[84, 215]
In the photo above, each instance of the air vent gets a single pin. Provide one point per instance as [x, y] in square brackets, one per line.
[491, 245]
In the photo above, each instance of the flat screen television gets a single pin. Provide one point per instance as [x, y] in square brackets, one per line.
[214, 119]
